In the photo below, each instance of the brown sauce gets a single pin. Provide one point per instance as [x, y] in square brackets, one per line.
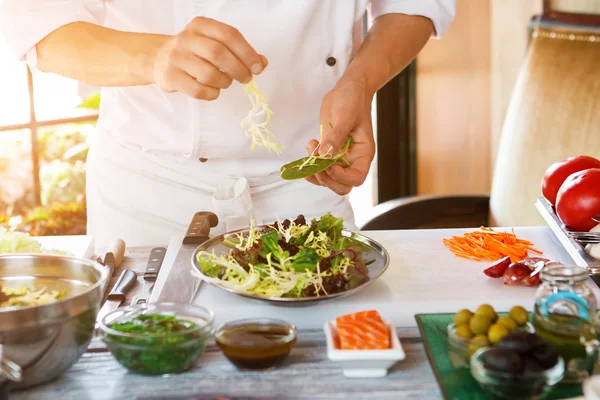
[256, 345]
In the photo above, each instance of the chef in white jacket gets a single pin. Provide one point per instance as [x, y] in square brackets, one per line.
[169, 141]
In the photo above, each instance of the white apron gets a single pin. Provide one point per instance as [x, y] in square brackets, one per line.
[146, 199]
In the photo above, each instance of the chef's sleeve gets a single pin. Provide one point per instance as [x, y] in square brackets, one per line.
[440, 12]
[23, 23]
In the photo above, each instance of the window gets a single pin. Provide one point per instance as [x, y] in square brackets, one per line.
[43, 142]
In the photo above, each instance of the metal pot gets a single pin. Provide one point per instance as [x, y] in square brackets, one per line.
[46, 340]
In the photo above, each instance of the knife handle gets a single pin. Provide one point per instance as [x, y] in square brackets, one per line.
[126, 280]
[118, 251]
[199, 228]
[157, 255]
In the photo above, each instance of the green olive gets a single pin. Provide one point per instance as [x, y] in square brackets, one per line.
[487, 311]
[478, 342]
[463, 331]
[462, 317]
[508, 323]
[480, 324]
[497, 332]
[519, 315]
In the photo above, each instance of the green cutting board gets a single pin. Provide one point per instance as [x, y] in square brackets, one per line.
[455, 381]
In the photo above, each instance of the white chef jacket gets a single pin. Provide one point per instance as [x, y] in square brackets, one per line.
[174, 130]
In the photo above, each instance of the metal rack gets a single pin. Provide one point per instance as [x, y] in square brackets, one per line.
[575, 250]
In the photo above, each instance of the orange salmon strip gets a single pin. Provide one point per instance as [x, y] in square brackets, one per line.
[363, 330]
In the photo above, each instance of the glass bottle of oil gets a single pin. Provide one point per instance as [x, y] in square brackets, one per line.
[565, 315]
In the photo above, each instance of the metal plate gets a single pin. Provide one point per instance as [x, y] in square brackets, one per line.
[377, 253]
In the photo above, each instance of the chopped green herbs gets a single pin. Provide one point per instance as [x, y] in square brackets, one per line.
[159, 344]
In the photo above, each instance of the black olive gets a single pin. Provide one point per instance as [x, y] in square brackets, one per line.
[546, 355]
[531, 365]
[516, 342]
[502, 360]
[534, 339]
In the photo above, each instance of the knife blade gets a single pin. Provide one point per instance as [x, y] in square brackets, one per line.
[180, 285]
[157, 255]
[118, 294]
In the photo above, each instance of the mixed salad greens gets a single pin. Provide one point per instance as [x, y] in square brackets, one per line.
[27, 297]
[288, 259]
[20, 242]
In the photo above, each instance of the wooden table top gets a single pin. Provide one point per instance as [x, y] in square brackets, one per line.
[307, 374]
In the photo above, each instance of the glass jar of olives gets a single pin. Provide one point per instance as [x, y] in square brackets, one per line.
[565, 315]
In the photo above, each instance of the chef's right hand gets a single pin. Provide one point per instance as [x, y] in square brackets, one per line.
[205, 57]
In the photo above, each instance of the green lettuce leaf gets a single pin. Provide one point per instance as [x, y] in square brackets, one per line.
[305, 260]
[270, 244]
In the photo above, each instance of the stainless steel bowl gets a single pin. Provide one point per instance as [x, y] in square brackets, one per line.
[46, 340]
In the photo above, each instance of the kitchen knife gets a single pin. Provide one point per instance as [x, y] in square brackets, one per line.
[157, 255]
[113, 258]
[118, 251]
[118, 294]
[180, 285]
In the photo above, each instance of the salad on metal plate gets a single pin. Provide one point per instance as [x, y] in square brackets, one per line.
[288, 259]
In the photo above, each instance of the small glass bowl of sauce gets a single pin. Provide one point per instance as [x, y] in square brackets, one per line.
[256, 344]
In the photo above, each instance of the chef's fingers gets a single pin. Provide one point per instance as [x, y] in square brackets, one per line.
[311, 146]
[313, 180]
[337, 187]
[354, 175]
[220, 56]
[202, 70]
[182, 82]
[336, 130]
[264, 61]
[233, 40]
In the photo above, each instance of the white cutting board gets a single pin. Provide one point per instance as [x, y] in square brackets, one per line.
[423, 277]
[81, 246]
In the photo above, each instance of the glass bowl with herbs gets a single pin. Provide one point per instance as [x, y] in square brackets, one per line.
[157, 339]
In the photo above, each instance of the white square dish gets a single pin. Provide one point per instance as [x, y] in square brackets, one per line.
[363, 363]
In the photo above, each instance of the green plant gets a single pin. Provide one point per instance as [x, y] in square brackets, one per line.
[62, 181]
[67, 142]
[63, 152]
[56, 219]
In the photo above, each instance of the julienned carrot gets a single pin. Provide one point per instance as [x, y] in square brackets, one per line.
[491, 245]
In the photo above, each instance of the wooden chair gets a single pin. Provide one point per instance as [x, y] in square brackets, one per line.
[554, 113]
[429, 212]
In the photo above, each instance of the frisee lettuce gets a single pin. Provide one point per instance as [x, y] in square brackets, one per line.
[258, 120]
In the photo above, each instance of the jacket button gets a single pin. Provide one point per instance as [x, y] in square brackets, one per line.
[203, 159]
[331, 61]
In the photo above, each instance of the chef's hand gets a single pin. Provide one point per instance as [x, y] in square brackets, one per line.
[348, 108]
[205, 57]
